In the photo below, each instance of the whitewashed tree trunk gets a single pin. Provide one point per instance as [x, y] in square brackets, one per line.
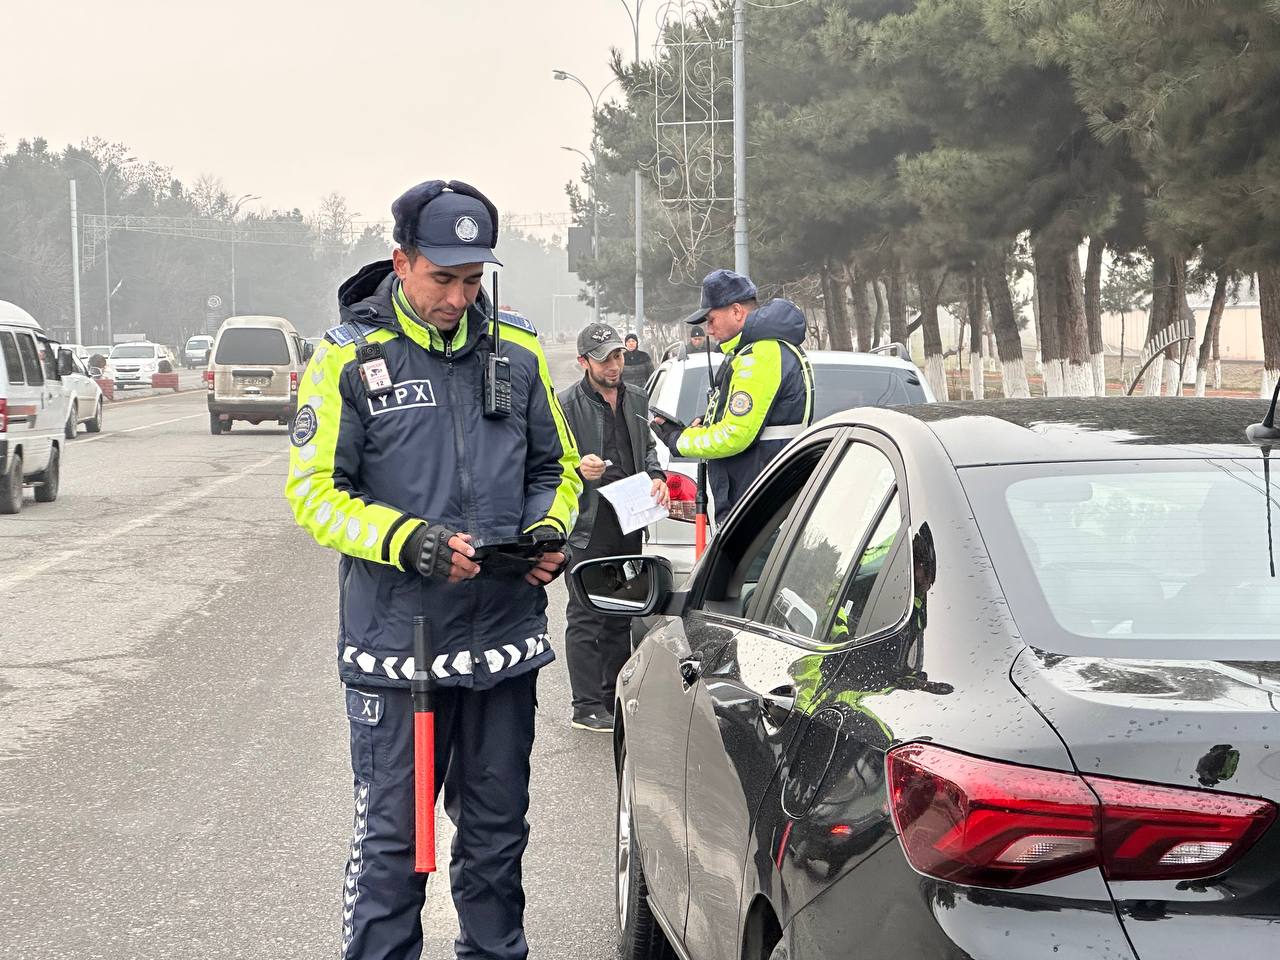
[976, 382]
[1077, 379]
[1172, 378]
[1155, 379]
[1014, 376]
[935, 372]
[1053, 381]
[1099, 375]
[1268, 385]
[1201, 376]
[1217, 374]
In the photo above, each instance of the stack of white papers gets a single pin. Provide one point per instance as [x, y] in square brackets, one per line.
[633, 502]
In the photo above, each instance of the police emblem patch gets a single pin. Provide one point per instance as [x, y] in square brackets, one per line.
[467, 229]
[740, 403]
[305, 424]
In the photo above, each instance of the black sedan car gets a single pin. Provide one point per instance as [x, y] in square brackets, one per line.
[995, 680]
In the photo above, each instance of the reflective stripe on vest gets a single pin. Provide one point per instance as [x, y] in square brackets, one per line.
[787, 432]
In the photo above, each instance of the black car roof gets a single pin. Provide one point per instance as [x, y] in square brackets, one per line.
[1067, 429]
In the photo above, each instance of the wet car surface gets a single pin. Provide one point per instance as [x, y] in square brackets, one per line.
[979, 680]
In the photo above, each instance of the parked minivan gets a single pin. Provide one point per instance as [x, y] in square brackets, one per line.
[33, 409]
[253, 372]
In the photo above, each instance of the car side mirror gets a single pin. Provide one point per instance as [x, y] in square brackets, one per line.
[633, 586]
[66, 362]
[308, 349]
[95, 372]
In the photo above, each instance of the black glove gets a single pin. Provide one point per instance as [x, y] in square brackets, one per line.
[668, 433]
[427, 551]
[550, 540]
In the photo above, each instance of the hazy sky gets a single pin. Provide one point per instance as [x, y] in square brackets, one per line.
[292, 100]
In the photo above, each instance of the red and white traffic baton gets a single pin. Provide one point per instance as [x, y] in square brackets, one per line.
[424, 753]
[700, 513]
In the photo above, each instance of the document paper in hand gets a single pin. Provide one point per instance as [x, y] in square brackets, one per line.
[633, 502]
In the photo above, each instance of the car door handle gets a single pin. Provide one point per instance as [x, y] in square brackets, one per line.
[690, 670]
[776, 705]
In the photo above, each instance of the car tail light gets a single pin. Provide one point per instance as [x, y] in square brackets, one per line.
[993, 824]
[293, 381]
[208, 379]
[4, 414]
[684, 493]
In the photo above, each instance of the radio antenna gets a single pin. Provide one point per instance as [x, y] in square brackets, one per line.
[497, 337]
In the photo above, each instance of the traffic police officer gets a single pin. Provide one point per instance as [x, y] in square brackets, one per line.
[395, 466]
[763, 392]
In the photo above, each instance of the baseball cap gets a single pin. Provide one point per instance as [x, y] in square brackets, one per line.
[450, 223]
[597, 341]
[719, 289]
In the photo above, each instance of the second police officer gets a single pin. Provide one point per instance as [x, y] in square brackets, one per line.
[763, 393]
[396, 466]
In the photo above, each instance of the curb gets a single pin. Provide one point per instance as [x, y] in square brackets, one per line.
[157, 396]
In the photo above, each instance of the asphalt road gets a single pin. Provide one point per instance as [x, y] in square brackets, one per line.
[172, 735]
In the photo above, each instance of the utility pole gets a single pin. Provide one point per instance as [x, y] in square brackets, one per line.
[106, 236]
[639, 327]
[75, 260]
[741, 259]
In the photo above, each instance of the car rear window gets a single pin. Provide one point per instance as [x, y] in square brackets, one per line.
[1131, 555]
[253, 345]
[841, 386]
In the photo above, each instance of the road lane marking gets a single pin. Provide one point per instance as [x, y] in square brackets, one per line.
[105, 539]
[145, 426]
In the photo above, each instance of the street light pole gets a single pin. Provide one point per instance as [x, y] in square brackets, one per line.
[235, 211]
[740, 253]
[595, 221]
[639, 322]
[75, 260]
[595, 168]
[106, 235]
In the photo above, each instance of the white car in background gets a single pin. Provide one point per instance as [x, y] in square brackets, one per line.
[133, 363]
[82, 389]
[842, 380]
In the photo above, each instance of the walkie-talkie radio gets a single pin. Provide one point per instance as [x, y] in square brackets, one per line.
[497, 370]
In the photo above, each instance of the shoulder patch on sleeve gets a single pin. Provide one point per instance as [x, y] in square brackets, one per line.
[519, 321]
[305, 425]
[740, 403]
[345, 333]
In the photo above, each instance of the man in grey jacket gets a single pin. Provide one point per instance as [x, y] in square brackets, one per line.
[610, 420]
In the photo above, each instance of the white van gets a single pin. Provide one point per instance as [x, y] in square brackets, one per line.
[34, 407]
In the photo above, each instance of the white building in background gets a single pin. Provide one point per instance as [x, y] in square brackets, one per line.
[1241, 337]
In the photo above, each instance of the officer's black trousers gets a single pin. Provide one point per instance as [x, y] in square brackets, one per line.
[595, 645]
[483, 742]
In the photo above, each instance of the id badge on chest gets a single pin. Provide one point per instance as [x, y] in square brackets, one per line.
[373, 370]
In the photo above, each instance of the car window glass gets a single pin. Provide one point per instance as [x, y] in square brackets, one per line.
[134, 351]
[694, 390]
[842, 386]
[12, 362]
[743, 549]
[30, 359]
[829, 542]
[253, 345]
[879, 566]
[49, 357]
